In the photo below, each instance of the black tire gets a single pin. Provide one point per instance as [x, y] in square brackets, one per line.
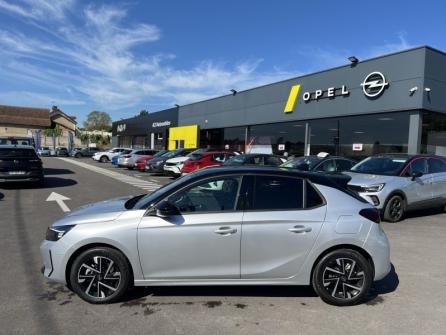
[130, 167]
[97, 290]
[77, 156]
[342, 277]
[103, 159]
[395, 208]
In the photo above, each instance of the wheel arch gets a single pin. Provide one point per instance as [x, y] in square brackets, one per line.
[395, 192]
[362, 251]
[85, 247]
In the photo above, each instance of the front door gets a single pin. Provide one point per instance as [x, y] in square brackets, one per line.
[419, 190]
[278, 232]
[201, 243]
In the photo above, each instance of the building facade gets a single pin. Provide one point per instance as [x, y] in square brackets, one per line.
[394, 103]
[147, 131]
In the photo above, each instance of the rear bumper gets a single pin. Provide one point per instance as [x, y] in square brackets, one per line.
[377, 245]
[28, 177]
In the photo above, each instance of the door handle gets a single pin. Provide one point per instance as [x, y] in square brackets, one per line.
[299, 229]
[225, 231]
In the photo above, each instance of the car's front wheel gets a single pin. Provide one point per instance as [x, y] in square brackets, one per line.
[394, 210]
[104, 159]
[342, 277]
[100, 275]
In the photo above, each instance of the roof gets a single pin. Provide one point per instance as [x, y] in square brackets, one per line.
[338, 181]
[26, 116]
[55, 111]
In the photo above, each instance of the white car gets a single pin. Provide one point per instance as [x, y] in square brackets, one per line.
[106, 156]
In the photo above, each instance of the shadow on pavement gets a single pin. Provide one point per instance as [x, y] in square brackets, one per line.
[1, 196]
[50, 182]
[384, 286]
[135, 295]
[52, 171]
[424, 212]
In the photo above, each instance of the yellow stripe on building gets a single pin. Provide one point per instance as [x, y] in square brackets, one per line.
[292, 98]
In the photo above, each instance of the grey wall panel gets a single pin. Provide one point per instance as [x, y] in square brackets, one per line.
[435, 79]
[266, 104]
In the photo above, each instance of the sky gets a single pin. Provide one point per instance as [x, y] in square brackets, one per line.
[125, 56]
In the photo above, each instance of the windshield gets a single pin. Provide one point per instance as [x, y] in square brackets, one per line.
[198, 151]
[236, 160]
[171, 154]
[147, 200]
[17, 152]
[298, 162]
[387, 166]
[160, 153]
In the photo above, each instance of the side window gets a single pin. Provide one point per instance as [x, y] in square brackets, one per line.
[219, 157]
[313, 199]
[272, 161]
[436, 165]
[216, 195]
[327, 166]
[258, 160]
[277, 193]
[344, 165]
[418, 165]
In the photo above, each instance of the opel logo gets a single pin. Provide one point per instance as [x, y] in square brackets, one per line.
[374, 84]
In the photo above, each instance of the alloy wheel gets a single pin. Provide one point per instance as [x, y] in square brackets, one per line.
[396, 209]
[343, 278]
[99, 277]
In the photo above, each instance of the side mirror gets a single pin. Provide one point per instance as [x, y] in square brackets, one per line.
[165, 209]
[416, 174]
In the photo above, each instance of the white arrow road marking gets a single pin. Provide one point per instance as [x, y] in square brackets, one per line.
[59, 198]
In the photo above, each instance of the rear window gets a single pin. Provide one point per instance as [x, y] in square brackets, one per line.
[313, 199]
[16, 152]
[277, 193]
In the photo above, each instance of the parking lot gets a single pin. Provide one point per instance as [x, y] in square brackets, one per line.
[409, 301]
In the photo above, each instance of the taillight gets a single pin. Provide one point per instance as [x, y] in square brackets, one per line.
[371, 214]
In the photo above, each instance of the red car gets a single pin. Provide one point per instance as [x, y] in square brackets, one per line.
[205, 159]
[140, 163]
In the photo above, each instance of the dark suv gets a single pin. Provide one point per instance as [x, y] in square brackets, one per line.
[20, 163]
[85, 152]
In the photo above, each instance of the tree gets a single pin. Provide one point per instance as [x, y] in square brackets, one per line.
[98, 121]
[143, 113]
[54, 133]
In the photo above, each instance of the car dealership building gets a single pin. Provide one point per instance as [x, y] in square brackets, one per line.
[392, 103]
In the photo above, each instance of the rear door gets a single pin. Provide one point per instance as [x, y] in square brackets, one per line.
[437, 169]
[278, 228]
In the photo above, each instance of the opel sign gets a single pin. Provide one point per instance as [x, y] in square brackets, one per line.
[374, 84]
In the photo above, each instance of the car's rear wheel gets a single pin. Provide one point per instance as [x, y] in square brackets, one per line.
[342, 277]
[104, 159]
[100, 275]
[394, 210]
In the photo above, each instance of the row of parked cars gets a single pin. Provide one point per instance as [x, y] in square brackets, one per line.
[393, 183]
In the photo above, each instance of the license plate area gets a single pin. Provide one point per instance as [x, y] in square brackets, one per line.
[17, 173]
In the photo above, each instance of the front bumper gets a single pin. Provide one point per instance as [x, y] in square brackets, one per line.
[52, 259]
[173, 170]
[155, 168]
[373, 198]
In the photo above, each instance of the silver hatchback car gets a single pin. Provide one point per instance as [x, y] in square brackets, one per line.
[397, 183]
[299, 228]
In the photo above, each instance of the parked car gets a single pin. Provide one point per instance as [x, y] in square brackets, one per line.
[320, 163]
[397, 183]
[85, 152]
[115, 158]
[44, 151]
[156, 165]
[322, 235]
[130, 159]
[205, 159]
[62, 151]
[141, 162]
[256, 159]
[107, 156]
[173, 166]
[20, 163]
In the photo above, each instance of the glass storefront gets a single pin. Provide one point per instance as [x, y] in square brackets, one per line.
[354, 136]
[433, 135]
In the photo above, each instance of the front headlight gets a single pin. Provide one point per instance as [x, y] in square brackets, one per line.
[374, 188]
[56, 233]
[158, 163]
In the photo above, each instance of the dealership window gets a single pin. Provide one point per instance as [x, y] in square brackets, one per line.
[234, 138]
[375, 134]
[324, 136]
[433, 135]
[125, 141]
[277, 138]
[211, 138]
[139, 142]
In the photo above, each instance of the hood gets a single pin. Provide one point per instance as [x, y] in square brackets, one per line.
[177, 159]
[365, 179]
[107, 210]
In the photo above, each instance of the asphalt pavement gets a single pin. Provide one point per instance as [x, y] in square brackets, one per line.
[411, 300]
